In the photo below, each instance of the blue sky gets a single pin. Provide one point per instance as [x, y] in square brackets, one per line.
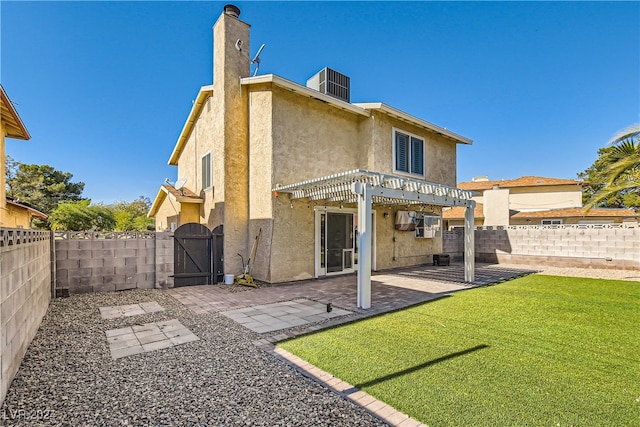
[105, 87]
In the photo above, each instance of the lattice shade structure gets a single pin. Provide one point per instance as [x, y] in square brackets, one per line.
[401, 190]
[367, 188]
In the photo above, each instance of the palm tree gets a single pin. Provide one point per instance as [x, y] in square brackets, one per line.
[622, 171]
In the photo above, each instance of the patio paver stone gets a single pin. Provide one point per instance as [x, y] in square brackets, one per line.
[282, 315]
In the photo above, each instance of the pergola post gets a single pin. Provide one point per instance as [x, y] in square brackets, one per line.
[469, 243]
[363, 191]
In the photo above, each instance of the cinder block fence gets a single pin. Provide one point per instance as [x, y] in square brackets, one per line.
[25, 285]
[104, 262]
[612, 246]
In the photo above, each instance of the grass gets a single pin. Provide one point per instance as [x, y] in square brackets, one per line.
[539, 350]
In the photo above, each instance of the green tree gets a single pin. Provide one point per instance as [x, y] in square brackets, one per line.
[132, 216]
[81, 216]
[614, 178]
[41, 186]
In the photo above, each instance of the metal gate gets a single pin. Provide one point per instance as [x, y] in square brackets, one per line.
[198, 256]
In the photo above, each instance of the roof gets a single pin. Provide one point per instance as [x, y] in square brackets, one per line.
[34, 212]
[457, 212]
[203, 95]
[356, 108]
[578, 213]
[184, 195]
[304, 90]
[525, 181]
[394, 112]
[12, 122]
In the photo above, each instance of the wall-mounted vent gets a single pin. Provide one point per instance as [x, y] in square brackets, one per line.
[332, 83]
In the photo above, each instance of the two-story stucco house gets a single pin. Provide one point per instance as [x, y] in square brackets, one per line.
[325, 182]
[532, 200]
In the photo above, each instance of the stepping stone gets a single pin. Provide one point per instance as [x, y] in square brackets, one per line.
[147, 337]
[116, 311]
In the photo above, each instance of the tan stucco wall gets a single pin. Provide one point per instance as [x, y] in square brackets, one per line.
[16, 217]
[545, 197]
[406, 250]
[440, 152]
[189, 212]
[496, 207]
[312, 139]
[168, 212]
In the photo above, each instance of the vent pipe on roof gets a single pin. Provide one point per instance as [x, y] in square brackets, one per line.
[232, 10]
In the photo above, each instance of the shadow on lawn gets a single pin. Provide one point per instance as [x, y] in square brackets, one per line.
[421, 366]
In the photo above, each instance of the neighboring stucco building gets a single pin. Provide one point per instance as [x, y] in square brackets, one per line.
[264, 153]
[532, 200]
[11, 126]
[19, 215]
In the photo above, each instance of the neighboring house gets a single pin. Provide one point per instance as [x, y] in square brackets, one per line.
[11, 126]
[532, 200]
[299, 163]
[20, 215]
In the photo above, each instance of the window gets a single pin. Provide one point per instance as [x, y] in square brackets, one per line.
[206, 171]
[408, 153]
[551, 222]
[427, 226]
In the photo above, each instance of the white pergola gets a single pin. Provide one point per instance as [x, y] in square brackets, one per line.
[367, 188]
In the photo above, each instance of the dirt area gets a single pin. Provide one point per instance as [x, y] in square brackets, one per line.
[594, 273]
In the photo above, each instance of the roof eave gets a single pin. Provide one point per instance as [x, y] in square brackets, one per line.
[157, 202]
[17, 130]
[415, 120]
[303, 90]
[204, 94]
[33, 211]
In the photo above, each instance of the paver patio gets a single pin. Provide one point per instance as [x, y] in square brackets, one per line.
[282, 315]
[390, 290]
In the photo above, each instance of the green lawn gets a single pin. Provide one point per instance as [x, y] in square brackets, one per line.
[536, 351]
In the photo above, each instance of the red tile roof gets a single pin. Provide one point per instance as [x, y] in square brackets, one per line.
[183, 193]
[525, 181]
[578, 213]
[457, 212]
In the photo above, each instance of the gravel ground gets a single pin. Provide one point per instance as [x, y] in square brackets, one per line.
[69, 378]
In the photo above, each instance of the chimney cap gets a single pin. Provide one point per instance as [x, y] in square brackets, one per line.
[232, 10]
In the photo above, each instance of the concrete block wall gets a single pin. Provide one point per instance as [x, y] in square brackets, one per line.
[571, 246]
[118, 262]
[25, 292]
[164, 260]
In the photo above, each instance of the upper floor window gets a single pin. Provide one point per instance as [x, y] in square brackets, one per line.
[408, 153]
[206, 171]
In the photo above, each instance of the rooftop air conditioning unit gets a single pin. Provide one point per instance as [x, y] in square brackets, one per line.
[332, 83]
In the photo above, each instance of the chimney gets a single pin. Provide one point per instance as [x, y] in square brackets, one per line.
[232, 10]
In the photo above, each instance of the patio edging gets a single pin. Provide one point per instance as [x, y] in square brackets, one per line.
[376, 407]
